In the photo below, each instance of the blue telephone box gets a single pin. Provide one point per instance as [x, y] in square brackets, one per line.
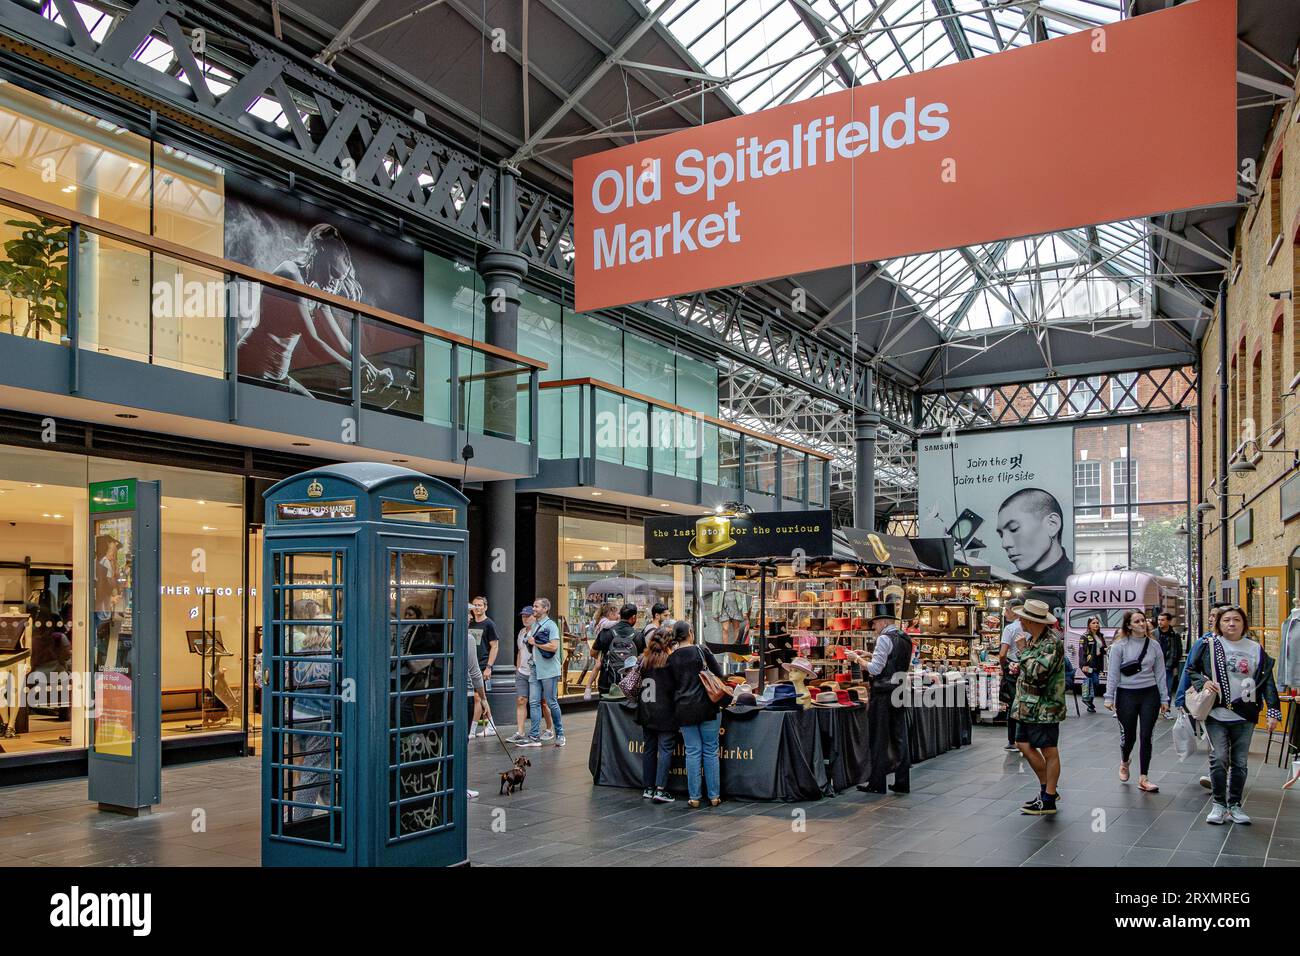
[364, 717]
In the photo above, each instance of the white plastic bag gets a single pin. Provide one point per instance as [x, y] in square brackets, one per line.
[1184, 736]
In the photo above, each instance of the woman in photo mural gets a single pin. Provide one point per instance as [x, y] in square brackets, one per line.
[281, 321]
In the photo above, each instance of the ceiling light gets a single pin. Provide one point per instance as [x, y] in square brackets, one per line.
[201, 502]
[665, 505]
[597, 494]
[35, 486]
[208, 527]
[58, 516]
[45, 515]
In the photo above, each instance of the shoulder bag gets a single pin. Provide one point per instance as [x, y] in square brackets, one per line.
[1129, 668]
[1199, 703]
[713, 685]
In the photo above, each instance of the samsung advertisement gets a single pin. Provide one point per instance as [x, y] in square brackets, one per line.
[1005, 497]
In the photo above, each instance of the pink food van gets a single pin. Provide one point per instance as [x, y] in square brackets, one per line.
[1107, 595]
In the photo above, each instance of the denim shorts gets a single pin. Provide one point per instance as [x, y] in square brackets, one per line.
[521, 685]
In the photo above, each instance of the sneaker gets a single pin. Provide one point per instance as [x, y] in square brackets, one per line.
[560, 741]
[472, 794]
[1218, 815]
[1040, 808]
[663, 796]
[530, 742]
[1205, 782]
[1238, 815]
[473, 734]
[647, 793]
[548, 734]
[1011, 748]
[489, 729]
[1092, 709]
[516, 738]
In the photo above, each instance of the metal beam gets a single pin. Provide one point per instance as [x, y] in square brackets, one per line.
[630, 40]
[343, 39]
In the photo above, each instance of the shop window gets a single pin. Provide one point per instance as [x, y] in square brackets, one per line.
[453, 297]
[1275, 200]
[816, 482]
[648, 369]
[697, 385]
[1159, 451]
[793, 464]
[45, 562]
[760, 466]
[728, 459]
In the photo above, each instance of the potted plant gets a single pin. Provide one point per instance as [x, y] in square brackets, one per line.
[34, 269]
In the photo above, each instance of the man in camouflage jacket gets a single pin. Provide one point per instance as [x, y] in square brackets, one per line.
[1039, 705]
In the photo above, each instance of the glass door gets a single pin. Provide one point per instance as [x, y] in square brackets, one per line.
[422, 696]
[303, 701]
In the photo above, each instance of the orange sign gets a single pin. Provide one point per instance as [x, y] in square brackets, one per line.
[1120, 122]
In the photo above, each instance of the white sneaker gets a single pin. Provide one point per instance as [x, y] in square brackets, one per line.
[1218, 815]
[472, 794]
[1238, 815]
[490, 729]
[548, 735]
[473, 734]
[560, 741]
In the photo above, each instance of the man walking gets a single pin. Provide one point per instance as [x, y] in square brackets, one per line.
[1008, 660]
[1171, 643]
[1039, 705]
[484, 644]
[543, 685]
[887, 716]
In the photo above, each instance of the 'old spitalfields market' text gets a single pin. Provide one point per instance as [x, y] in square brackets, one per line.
[821, 141]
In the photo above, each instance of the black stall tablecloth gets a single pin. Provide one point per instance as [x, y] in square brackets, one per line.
[777, 755]
[763, 755]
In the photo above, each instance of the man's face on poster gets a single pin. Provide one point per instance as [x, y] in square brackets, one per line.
[1027, 536]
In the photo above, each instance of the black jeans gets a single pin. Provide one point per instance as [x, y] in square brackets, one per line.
[656, 758]
[887, 726]
[1136, 707]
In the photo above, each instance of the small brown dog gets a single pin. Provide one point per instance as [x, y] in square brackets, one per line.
[513, 779]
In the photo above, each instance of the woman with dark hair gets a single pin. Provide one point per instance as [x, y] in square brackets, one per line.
[698, 717]
[1092, 661]
[656, 712]
[266, 349]
[1240, 673]
[1136, 690]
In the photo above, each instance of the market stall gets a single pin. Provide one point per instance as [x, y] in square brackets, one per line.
[812, 600]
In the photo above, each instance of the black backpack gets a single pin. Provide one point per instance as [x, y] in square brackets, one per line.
[621, 647]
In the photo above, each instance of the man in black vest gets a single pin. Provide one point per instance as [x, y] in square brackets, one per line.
[886, 716]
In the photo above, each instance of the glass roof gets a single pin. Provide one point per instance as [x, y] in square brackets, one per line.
[773, 52]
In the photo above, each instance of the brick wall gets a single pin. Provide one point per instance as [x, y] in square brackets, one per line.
[1262, 361]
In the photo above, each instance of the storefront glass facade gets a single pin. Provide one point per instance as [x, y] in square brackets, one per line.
[45, 560]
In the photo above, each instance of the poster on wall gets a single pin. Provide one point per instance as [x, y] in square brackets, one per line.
[1005, 497]
[305, 347]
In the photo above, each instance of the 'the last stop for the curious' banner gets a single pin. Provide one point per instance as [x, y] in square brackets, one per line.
[1127, 120]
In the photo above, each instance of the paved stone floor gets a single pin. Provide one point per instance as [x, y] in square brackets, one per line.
[962, 812]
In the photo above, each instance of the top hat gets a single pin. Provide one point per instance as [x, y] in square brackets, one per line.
[712, 536]
[880, 610]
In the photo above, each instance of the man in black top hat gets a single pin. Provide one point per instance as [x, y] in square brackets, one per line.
[887, 717]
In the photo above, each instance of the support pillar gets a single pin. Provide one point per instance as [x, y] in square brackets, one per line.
[503, 271]
[864, 471]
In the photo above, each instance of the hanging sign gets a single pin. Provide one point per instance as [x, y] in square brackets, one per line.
[769, 534]
[1123, 121]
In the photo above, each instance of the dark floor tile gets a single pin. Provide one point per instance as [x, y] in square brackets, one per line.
[1227, 859]
[1146, 856]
